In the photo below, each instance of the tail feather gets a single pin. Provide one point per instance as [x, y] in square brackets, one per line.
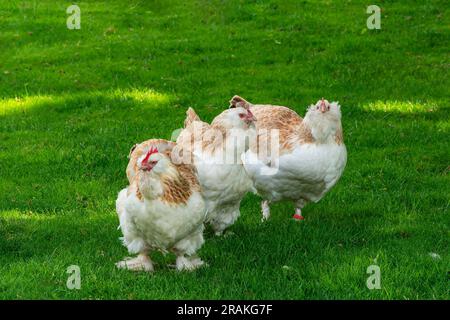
[238, 101]
[191, 116]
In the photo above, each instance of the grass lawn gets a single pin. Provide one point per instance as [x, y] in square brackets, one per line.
[73, 102]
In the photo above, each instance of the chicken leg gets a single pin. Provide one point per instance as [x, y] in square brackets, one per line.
[265, 208]
[141, 263]
[299, 204]
[188, 263]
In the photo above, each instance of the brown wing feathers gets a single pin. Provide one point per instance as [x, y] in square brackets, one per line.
[176, 189]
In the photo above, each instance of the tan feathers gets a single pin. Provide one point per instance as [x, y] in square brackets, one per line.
[290, 126]
[238, 101]
[339, 138]
[196, 131]
[139, 149]
[292, 130]
[191, 116]
[176, 188]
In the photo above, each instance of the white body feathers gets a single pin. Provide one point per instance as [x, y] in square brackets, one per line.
[155, 225]
[218, 162]
[224, 186]
[162, 209]
[312, 154]
[308, 172]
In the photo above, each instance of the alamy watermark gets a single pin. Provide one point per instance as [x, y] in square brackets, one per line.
[218, 147]
[74, 279]
[374, 20]
[73, 21]
[374, 280]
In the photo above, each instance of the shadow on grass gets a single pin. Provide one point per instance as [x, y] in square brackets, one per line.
[63, 161]
[58, 152]
[66, 152]
[63, 156]
[322, 257]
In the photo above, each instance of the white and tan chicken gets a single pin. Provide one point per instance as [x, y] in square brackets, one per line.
[162, 209]
[311, 154]
[217, 150]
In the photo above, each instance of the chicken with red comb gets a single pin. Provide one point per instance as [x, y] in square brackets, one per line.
[162, 208]
[217, 150]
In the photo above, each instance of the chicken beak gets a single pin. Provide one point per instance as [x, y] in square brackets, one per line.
[323, 106]
[147, 166]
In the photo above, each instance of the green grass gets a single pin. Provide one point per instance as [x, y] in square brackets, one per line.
[74, 102]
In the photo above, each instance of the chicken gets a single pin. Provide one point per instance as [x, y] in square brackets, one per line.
[138, 150]
[162, 209]
[216, 151]
[310, 158]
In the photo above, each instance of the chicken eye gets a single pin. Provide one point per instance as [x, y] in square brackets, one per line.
[241, 115]
[317, 108]
[154, 162]
[328, 107]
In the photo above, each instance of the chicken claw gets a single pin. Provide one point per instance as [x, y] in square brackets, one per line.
[141, 263]
[188, 264]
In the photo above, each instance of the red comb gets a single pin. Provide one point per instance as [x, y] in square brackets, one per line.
[149, 153]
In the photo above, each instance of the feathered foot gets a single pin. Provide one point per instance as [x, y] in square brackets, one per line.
[188, 263]
[265, 208]
[141, 263]
[228, 233]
